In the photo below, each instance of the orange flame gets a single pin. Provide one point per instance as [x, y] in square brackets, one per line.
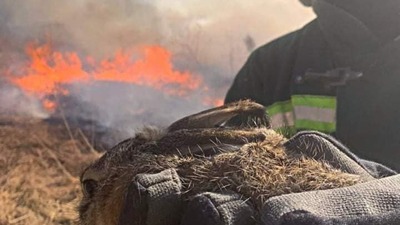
[49, 71]
[155, 70]
[213, 101]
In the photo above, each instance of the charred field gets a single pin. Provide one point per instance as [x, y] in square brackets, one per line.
[40, 164]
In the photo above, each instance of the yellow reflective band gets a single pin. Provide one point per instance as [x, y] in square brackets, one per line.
[325, 102]
[304, 112]
[314, 125]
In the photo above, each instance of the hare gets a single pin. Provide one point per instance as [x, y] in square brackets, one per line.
[208, 155]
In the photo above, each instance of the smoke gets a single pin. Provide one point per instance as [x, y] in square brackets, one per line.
[94, 26]
[209, 38]
[14, 101]
[98, 27]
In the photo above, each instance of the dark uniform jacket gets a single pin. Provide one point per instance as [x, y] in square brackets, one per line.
[333, 75]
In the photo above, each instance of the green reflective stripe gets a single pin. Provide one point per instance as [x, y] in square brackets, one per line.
[328, 102]
[314, 125]
[314, 112]
[287, 131]
[281, 114]
[280, 107]
[303, 112]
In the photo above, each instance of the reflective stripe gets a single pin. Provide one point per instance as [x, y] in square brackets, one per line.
[280, 107]
[314, 125]
[326, 102]
[282, 120]
[304, 112]
[281, 114]
[315, 114]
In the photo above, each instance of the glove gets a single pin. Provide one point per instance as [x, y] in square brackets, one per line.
[218, 209]
[370, 203]
[153, 199]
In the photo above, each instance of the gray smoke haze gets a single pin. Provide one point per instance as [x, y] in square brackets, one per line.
[14, 101]
[210, 38]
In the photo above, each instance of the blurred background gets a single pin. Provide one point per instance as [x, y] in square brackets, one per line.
[121, 64]
[80, 75]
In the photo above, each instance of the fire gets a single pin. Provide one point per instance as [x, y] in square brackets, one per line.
[213, 101]
[49, 72]
[154, 70]
[49, 105]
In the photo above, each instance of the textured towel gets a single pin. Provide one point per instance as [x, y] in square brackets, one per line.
[370, 203]
[324, 147]
[153, 199]
[218, 209]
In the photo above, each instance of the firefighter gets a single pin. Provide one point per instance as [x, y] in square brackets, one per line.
[339, 74]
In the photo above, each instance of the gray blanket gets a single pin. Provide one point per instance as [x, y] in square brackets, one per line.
[155, 199]
[371, 203]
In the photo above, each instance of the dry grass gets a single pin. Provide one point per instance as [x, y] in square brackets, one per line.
[39, 171]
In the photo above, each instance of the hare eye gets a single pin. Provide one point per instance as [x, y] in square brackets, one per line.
[89, 187]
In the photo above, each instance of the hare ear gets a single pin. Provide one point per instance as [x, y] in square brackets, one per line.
[254, 114]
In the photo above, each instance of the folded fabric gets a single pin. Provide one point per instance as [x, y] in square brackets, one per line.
[218, 209]
[370, 203]
[156, 199]
[153, 199]
[323, 147]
